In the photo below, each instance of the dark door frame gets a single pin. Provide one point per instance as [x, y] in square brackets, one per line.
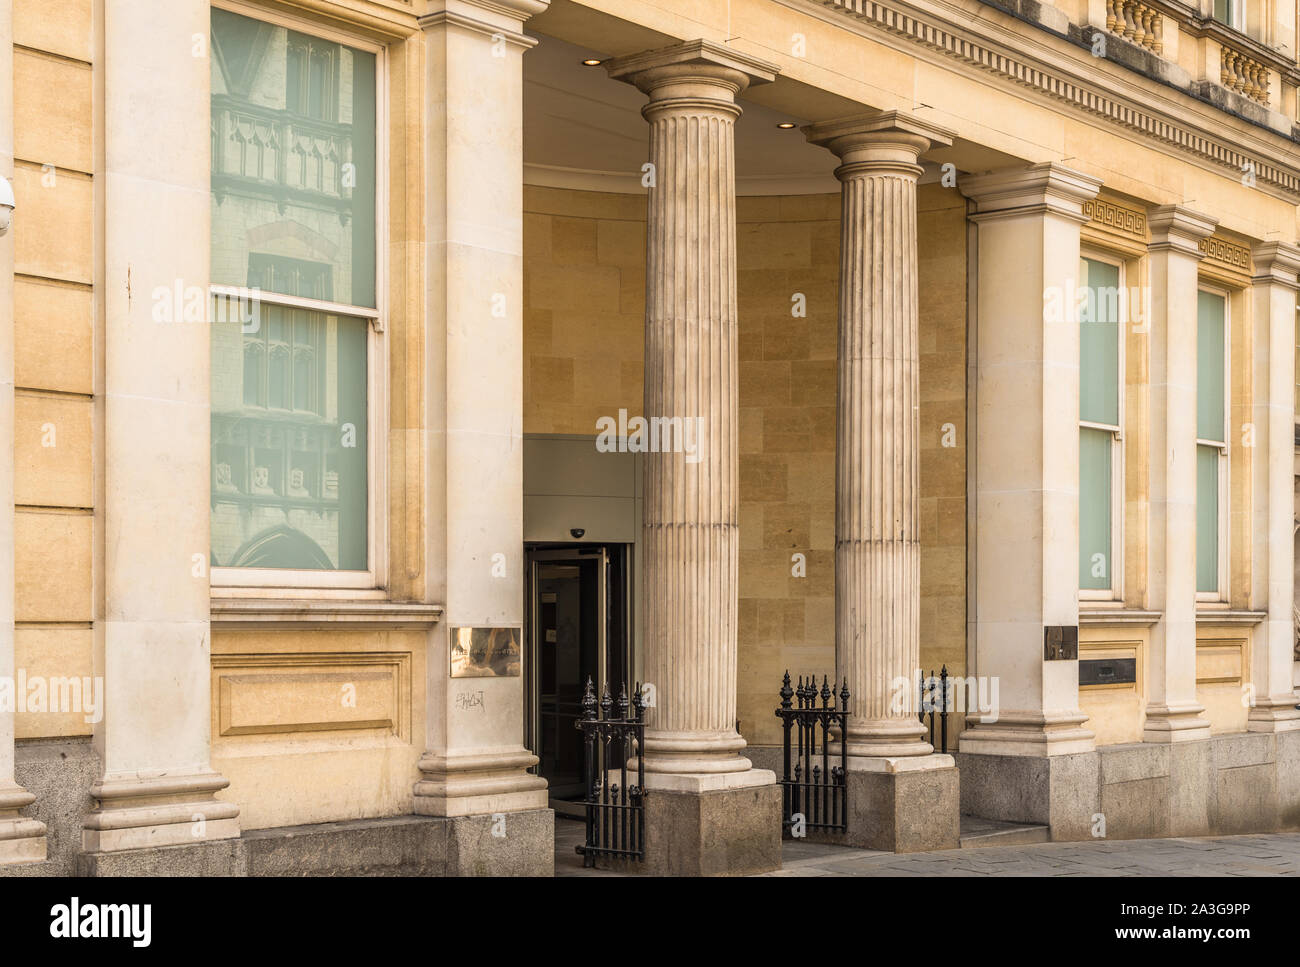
[613, 559]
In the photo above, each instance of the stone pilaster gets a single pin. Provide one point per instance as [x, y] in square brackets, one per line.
[22, 840]
[690, 532]
[475, 765]
[1274, 301]
[877, 539]
[1026, 488]
[1173, 714]
[152, 632]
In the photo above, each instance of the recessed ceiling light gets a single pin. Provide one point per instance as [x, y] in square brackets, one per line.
[786, 125]
[591, 62]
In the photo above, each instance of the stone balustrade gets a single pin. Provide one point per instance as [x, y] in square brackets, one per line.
[1138, 22]
[1243, 74]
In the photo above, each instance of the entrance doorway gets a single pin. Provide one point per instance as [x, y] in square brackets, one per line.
[577, 626]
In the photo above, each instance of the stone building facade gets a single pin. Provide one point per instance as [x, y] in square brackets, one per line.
[325, 331]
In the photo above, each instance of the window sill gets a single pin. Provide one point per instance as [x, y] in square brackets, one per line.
[353, 613]
[1109, 616]
[1225, 616]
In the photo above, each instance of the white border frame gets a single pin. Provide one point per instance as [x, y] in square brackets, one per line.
[253, 582]
[1116, 590]
[1220, 596]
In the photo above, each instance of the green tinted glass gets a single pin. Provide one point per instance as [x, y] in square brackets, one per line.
[289, 440]
[293, 162]
[1099, 343]
[1209, 366]
[1094, 509]
[1207, 518]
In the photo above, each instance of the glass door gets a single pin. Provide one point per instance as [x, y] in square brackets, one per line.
[577, 620]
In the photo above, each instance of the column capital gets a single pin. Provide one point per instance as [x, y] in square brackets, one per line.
[872, 142]
[1178, 228]
[489, 17]
[1277, 263]
[696, 72]
[1047, 188]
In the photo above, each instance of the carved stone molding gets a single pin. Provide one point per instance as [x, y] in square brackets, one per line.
[1226, 255]
[1114, 224]
[1218, 151]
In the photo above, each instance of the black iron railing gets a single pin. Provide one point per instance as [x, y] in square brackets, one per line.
[936, 701]
[615, 806]
[814, 790]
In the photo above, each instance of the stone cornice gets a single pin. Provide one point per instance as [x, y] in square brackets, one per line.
[935, 35]
[1278, 263]
[1033, 189]
[1179, 228]
[493, 18]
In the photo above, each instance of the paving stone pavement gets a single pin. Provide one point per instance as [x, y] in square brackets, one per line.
[1264, 854]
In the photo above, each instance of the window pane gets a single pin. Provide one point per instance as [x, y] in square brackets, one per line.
[289, 456]
[1099, 343]
[1095, 567]
[293, 161]
[1209, 366]
[1207, 519]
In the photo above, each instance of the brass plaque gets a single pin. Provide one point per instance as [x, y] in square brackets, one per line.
[1060, 642]
[485, 653]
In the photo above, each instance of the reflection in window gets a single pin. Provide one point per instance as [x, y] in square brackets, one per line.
[293, 217]
[1099, 419]
[1211, 435]
[289, 454]
[293, 157]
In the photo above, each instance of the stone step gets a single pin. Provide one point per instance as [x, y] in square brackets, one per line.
[977, 832]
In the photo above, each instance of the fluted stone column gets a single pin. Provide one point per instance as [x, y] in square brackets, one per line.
[877, 534]
[690, 532]
[691, 537]
[901, 797]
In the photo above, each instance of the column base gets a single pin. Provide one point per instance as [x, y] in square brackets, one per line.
[903, 805]
[22, 839]
[1166, 724]
[479, 783]
[712, 825]
[1274, 715]
[1029, 734]
[141, 813]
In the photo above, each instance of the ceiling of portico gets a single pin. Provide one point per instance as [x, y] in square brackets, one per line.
[583, 130]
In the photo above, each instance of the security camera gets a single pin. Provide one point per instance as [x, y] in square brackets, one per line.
[576, 533]
[7, 204]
